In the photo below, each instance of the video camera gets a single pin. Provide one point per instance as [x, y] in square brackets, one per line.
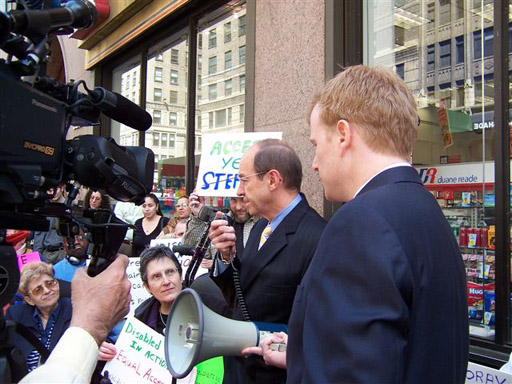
[35, 157]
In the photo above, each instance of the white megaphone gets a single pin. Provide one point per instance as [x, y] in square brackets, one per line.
[195, 333]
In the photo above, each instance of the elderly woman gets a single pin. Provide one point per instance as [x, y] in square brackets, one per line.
[160, 272]
[43, 313]
[178, 224]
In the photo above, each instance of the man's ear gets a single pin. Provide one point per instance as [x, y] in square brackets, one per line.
[344, 133]
[274, 178]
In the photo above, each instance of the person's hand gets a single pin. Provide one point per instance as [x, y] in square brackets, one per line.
[195, 203]
[107, 351]
[100, 302]
[270, 356]
[222, 236]
[207, 263]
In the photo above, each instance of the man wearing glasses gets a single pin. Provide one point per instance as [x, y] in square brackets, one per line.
[278, 250]
[76, 257]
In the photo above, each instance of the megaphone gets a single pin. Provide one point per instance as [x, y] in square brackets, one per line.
[194, 333]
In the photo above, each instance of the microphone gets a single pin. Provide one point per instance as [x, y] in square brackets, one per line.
[184, 250]
[75, 13]
[121, 109]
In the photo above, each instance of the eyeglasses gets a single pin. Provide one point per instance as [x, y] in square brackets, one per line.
[49, 284]
[245, 179]
[158, 277]
[183, 205]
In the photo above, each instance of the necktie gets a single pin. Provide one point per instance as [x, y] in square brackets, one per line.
[265, 235]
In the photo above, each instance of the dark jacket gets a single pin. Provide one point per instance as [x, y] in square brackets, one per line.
[24, 314]
[384, 299]
[147, 312]
[269, 278]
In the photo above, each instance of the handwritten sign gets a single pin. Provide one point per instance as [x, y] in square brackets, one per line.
[139, 293]
[140, 357]
[477, 373]
[220, 161]
[28, 258]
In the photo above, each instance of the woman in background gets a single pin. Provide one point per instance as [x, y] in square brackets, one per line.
[96, 200]
[150, 226]
[178, 224]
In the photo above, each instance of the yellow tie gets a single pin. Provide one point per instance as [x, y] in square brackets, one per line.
[265, 235]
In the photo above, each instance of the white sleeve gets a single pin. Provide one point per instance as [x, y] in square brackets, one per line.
[72, 361]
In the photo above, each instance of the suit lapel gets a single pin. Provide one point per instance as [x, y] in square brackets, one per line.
[253, 260]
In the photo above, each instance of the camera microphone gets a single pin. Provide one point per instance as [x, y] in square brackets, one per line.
[121, 109]
[75, 13]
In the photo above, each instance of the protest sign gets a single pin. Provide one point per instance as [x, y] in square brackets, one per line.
[220, 161]
[139, 293]
[27, 258]
[478, 373]
[140, 357]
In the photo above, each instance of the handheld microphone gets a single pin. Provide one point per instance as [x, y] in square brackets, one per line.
[120, 109]
[183, 250]
[75, 13]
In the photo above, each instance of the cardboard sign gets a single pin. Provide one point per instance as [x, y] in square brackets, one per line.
[220, 161]
[477, 373]
[140, 357]
[27, 258]
[139, 293]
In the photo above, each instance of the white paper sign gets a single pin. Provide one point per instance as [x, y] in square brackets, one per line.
[139, 293]
[140, 357]
[220, 161]
[477, 373]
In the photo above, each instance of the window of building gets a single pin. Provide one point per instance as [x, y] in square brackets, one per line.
[173, 119]
[134, 79]
[210, 120]
[459, 49]
[173, 97]
[241, 26]
[158, 74]
[157, 94]
[212, 92]
[227, 32]
[488, 43]
[172, 141]
[445, 57]
[230, 115]
[242, 83]
[241, 112]
[228, 87]
[128, 82]
[220, 118]
[156, 139]
[174, 77]
[212, 65]
[212, 39]
[400, 70]
[227, 60]
[163, 143]
[431, 57]
[175, 56]
[157, 116]
[241, 53]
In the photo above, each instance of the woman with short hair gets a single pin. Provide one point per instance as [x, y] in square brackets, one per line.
[44, 313]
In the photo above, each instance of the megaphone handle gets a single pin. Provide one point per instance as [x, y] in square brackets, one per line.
[280, 347]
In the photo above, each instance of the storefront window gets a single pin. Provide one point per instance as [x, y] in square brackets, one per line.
[444, 52]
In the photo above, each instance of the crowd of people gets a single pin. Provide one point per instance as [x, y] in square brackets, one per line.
[356, 293]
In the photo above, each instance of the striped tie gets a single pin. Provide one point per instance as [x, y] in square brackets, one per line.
[265, 235]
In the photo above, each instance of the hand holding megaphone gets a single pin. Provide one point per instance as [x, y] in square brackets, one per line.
[272, 349]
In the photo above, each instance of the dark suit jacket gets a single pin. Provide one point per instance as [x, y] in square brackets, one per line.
[23, 314]
[270, 276]
[384, 299]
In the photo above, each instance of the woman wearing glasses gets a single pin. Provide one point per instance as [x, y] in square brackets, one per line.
[178, 224]
[96, 200]
[44, 313]
[160, 272]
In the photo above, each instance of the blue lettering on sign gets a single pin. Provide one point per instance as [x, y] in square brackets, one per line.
[485, 378]
[220, 180]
